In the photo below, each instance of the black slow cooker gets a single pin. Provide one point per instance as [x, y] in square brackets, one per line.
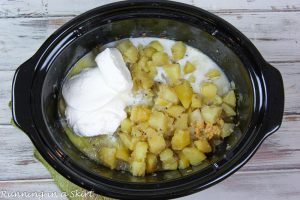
[37, 84]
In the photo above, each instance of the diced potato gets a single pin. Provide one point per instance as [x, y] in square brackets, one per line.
[170, 165]
[203, 145]
[209, 90]
[126, 140]
[147, 81]
[194, 156]
[183, 161]
[211, 114]
[166, 155]
[139, 113]
[159, 121]
[212, 73]
[192, 79]
[155, 140]
[140, 151]
[175, 111]
[156, 45]
[142, 64]
[196, 101]
[152, 69]
[131, 54]
[160, 58]
[124, 45]
[149, 51]
[122, 153]
[195, 116]
[181, 122]
[180, 139]
[178, 50]
[217, 100]
[138, 168]
[184, 92]
[139, 130]
[230, 99]
[229, 112]
[227, 129]
[162, 103]
[188, 68]
[173, 72]
[168, 94]
[151, 163]
[108, 157]
[126, 125]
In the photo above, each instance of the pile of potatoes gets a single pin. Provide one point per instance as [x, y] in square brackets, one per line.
[178, 128]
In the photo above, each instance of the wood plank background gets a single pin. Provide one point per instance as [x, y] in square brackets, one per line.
[272, 25]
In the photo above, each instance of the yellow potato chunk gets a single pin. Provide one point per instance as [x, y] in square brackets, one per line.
[175, 111]
[173, 72]
[180, 139]
[140, 151]
[217, 100]
[195, 116]
[212, 73]
[211, 114]
[230, 99]
[126, 125]
[178, 50]
[170, 165]
[126, 140]
[138, 168]
[142, 64]
[203, 145]
[194, 156]
[159, 121]
[124, 45]
[166, 155]
[156, 45]
[155, 140]
[122, 153]
[160, 58]
[161, 103]
[183, 162]
[227, 129]
[168, 94]
[169, 162]
[181, 122]
[108, 157]
[209, 90]
[131, 54]
[149, 51]
[196, 101]
[151, 163]
[188, 68]
[229, 112]
[139, 113]
[184, 92]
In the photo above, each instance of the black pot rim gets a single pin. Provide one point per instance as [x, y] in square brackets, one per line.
[263, 123]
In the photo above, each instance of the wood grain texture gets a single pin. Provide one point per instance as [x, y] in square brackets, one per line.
[246, 186]
[24, 8]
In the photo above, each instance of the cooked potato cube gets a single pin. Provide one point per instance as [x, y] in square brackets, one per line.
[180, 139]
[178, 50]
[159, 121]
[160, 58]
[162, 104]
[175, 111]
[166, 155]
[146, 80]
[126, 140]
[188, 68]
[227, 129]
[140, 151]
[181, 122]
[170, 165]
[184, 92]
[229, 112]
[122, 153]
[138, 168]
[173, 72]
[155, 140]
[211, 114]
[151, 163]
[149, 51]
[156, 45]
[217, 100]
[108, 157]
[193, 155]
[183, 161]
[142, 64]
[126, 125]
[139, 113]
[131, 54]
[230, 99]
[209, 90]
[195, 116]
[212, 73]
[124, 45]
[192, 79]
[203, 145]
[168, 94]
[196, 101]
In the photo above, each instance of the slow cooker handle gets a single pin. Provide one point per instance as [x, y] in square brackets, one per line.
[275, 99]
[21, 90]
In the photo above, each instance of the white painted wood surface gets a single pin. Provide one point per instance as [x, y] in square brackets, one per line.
[272, 25]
